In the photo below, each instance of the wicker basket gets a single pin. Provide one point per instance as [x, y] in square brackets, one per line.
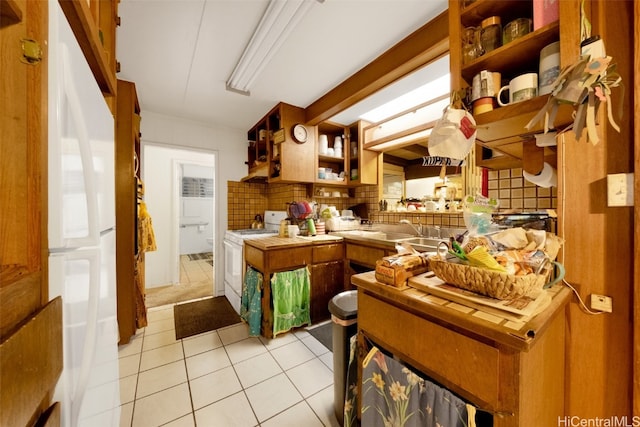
[487, 282]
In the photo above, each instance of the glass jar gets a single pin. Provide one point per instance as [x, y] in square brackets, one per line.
[471, 46]
[491, 33]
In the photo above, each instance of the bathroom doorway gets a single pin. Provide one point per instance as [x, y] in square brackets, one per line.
[180, 195]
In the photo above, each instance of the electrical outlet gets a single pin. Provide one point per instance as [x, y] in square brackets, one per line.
[620, 189]
[601, 303]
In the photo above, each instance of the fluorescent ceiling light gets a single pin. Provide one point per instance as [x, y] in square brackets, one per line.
[404, 141]
[279, 19]
[428, 91]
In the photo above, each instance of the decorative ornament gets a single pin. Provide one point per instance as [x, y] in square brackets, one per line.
[585, 85]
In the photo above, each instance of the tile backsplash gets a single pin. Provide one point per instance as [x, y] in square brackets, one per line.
[515, 192]
[245, 200]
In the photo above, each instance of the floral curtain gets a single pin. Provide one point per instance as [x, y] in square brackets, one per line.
[395, 396]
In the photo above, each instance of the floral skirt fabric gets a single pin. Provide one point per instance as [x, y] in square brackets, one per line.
[394, 395]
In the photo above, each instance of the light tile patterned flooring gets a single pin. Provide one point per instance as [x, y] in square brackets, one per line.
[224, 378]
[197, 270]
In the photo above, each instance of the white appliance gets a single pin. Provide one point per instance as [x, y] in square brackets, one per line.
[234, 253]
[82, 232]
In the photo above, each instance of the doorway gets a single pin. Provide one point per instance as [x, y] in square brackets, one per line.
[180, 189]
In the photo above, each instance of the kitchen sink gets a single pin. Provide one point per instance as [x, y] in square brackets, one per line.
[424, 241]
[396, 237]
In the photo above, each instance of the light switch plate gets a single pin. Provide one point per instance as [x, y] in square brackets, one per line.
[620, 189]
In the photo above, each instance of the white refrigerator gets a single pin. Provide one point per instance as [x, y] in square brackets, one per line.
[82, 232]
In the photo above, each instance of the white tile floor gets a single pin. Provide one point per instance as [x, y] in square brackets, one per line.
[224, 378]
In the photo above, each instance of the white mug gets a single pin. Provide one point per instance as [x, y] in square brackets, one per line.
[520, 88]
[549, 67]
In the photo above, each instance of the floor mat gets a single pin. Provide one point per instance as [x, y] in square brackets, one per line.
[324, 334]
[204, 255]
[205, 315]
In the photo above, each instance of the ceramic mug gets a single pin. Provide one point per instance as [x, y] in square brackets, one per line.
[485, 84]
[521, 88]
[549, 67]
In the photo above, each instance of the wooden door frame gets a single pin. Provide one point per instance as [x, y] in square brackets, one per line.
[636, 215]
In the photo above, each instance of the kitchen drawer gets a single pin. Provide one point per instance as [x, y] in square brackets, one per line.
[284, 259]
[457, 361]
[326, 253]
[364, 255]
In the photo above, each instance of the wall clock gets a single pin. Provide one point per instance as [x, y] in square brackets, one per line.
[299, 133]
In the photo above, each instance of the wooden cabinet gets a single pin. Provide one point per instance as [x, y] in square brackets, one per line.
[127, 161]
[326, 278]
[274, 154]
[361, 256]
[353, 164]
[501, 132]
[333, 161]
[324, 260]
[514, 373]
[94, 25]
[271, 255]
[363, 165]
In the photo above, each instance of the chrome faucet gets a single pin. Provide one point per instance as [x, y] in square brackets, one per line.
[417, 230]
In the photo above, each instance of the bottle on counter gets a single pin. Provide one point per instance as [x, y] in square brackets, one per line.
[311, 226]
[283, 231]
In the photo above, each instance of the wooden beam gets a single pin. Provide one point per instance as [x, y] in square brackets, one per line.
[424, 45]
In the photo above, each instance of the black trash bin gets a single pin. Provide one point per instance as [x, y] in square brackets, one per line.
[344, 312]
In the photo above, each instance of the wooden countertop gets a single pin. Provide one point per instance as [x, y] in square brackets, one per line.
[275, 242]
[519, 335]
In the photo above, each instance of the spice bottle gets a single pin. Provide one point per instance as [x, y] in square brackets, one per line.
[491, 34]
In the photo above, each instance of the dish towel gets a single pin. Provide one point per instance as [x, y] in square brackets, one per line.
[290, 292]
[251, 308]
[392, 394]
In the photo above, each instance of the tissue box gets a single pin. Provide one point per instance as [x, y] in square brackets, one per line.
[395, 270]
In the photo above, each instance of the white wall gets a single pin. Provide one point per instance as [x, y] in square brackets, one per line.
[230, 149]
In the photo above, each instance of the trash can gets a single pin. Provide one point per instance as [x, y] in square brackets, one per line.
[344, 312]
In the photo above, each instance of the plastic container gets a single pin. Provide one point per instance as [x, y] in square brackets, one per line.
[344, 315]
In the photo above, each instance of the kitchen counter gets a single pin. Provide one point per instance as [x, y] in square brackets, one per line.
[513, 371]
[275, 242]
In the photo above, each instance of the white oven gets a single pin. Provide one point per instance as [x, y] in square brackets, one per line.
[234, 254]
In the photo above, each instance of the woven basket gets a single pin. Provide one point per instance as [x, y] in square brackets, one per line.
[487, 282]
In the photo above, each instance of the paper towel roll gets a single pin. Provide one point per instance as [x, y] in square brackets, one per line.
[548, 177]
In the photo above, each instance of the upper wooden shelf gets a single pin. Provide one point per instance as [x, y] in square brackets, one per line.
[88, 35]
[511, 120]
[514, 58]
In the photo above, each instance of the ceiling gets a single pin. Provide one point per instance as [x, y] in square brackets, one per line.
[180, 53]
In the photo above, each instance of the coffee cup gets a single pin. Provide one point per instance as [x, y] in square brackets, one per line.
[520, 88]
[485, 84]
[549, 67]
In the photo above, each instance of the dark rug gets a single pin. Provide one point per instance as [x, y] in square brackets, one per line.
[205, 315]
[324, 334]
[204, 255]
